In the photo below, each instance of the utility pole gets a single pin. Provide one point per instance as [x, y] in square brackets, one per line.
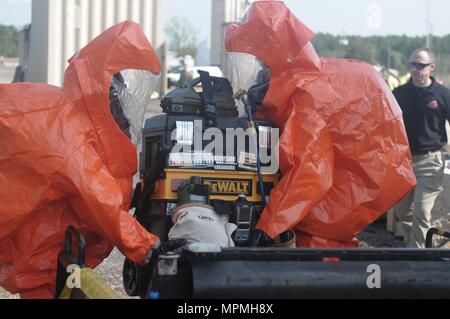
[389, 55]
[429, 25]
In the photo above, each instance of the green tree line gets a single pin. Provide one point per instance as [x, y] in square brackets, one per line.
[9, 41]
[181, 36]
[389, 51]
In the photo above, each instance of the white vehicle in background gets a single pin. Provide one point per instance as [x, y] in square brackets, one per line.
[173, 76]
[212, 70]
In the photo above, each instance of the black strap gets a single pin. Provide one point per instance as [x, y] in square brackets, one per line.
[149, 181]
[208, 95]
[66, 257]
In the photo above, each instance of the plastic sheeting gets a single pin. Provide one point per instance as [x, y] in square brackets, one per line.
[64, 161]
[343, 152]
[129, 100]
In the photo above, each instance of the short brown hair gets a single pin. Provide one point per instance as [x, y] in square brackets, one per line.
[424, 49]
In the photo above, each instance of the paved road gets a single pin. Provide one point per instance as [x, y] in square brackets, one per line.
[6, 74]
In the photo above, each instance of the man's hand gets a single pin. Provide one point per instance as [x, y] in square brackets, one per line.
[169, 245]
[161, 249]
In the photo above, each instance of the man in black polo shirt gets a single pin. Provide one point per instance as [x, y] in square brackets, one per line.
[426, 108]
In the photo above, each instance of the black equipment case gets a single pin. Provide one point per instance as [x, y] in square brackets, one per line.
[216, 99]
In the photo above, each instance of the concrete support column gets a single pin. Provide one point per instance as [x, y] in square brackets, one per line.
[83, 28]
[96, 7]
[55, 39]
[121, 10]
[109, 13]
[147, 16]
[135, 10]
[71, 13]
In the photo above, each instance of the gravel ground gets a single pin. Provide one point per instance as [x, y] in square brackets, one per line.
[111, 271]
[5, 295]
[6, 73]
[376, 236]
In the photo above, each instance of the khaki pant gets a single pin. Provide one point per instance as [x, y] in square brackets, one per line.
[414, 210]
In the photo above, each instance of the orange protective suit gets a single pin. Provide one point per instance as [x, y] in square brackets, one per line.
[64, 161]
[343, 151]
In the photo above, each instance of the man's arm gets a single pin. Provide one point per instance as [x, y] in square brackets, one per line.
[306, 162]
[447, 105]
[98, 204]
[397, 95]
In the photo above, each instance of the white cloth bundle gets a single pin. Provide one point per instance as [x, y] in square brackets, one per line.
[199, 223]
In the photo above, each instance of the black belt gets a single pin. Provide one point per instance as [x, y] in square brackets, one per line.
[426, 152]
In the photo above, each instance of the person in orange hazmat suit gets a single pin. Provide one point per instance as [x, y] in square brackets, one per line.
[343, 150]
[68, 158]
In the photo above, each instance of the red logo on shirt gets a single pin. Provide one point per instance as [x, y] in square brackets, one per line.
[433, 105]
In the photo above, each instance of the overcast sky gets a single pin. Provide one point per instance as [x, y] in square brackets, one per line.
[349, 17]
